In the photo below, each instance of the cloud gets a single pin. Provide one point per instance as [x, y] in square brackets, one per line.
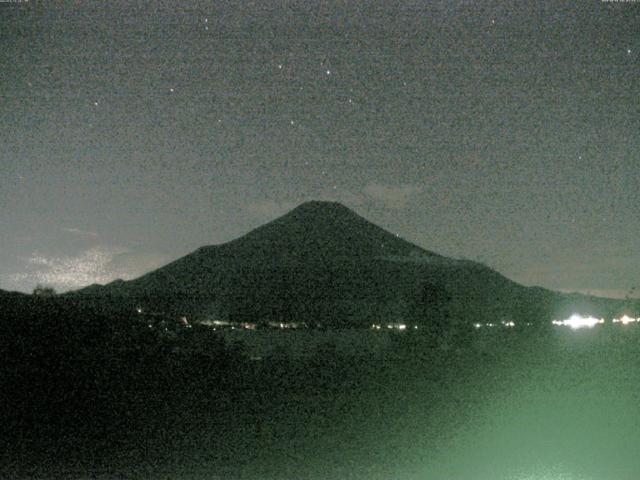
[78, 231]
[99, 264]
[393, 196]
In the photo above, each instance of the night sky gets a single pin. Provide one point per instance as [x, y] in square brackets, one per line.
[132, 132]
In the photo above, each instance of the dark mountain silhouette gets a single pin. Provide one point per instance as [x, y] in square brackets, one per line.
[323, 264]
[6, 293]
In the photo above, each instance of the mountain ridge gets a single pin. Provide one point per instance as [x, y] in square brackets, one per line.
[323, 263]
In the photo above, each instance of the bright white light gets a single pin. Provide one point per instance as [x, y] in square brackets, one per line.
[477, 325]
[402, 327]
[576, 321]
[625, 319]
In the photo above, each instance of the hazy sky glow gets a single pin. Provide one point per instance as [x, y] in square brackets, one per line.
[507, 132]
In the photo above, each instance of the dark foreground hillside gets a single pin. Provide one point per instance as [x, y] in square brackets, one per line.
[93, 397]
[110, 396]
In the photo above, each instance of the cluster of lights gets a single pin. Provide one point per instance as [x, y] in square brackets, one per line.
[509, 324]
[576, 321]
[392, 326]
[625, 319]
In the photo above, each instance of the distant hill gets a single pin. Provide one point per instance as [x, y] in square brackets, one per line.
[324, 264]
[4, 294]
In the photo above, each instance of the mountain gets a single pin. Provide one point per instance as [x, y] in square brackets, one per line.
[12, 305]
[7, 295]
[324, 264]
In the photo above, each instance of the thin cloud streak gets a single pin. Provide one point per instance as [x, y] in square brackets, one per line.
[78, 231]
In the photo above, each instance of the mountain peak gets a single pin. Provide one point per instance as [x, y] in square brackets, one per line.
[323, 211]
[321, 206]
[321, 229]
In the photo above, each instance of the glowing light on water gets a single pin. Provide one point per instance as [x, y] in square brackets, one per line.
[552, 472]
[576, 321]
[548, 477]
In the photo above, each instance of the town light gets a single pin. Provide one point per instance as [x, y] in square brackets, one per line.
[625, 319]
[576, 321]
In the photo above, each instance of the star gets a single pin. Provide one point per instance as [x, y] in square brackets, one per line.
[171, 90]
[279, 66]
[96, 103]
[328, 72]
[628, 51]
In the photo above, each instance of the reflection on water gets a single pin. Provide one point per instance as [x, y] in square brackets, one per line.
[504, 404]
[497, 403]
[564, 408]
